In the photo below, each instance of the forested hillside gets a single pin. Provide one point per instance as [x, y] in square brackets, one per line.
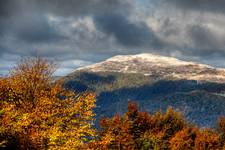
[38, 114]
[200, 102]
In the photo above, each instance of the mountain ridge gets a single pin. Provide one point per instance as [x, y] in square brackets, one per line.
[155, 83]
[152, 64]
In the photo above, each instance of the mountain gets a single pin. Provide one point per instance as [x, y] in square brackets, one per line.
[155, 82]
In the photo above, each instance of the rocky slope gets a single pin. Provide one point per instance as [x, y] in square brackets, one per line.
[155, 82]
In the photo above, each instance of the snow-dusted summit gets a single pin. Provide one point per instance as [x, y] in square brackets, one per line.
[156, 65]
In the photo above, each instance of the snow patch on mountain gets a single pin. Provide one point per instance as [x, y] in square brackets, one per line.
[162, 66]
[150, 58]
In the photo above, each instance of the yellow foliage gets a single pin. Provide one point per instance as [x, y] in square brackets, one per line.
[38, 114]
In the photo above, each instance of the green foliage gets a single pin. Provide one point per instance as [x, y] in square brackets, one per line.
[151, 141]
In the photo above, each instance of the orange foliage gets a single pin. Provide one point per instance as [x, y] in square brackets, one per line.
[116, 134]
[140, 130]
[221, 124]
[207, 139]
[136, 130]
[37, 114]
[184, 139]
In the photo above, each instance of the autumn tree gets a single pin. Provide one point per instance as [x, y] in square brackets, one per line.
[36, 113]
[207, 139]
[138, 130]
[184, 139]
[221, 130]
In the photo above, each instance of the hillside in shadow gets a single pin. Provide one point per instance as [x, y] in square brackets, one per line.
[199, 102]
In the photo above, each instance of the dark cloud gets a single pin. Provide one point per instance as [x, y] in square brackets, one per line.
[7, 8]
[35, 29]
[26, 20]
[169, 28]
[30, 29]
[126, 32]
[216, 6]
[205, 42]
[2, 50]
[202, 36]
[93, 30]
[62, 7]
[74, 7]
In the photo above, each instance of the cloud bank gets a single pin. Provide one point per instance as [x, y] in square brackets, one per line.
[78, 32]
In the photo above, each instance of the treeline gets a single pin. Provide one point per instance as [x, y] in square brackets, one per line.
[38, 114]
[142, 131]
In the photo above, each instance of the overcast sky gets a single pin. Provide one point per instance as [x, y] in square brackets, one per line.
[80, 32]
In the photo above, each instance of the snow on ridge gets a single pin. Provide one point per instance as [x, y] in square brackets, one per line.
[154, 58]
[151, 64]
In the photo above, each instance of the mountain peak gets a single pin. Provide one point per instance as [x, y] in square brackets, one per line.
[156, 65]
[148, 57]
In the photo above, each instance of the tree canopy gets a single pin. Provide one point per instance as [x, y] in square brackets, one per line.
[39, 114]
